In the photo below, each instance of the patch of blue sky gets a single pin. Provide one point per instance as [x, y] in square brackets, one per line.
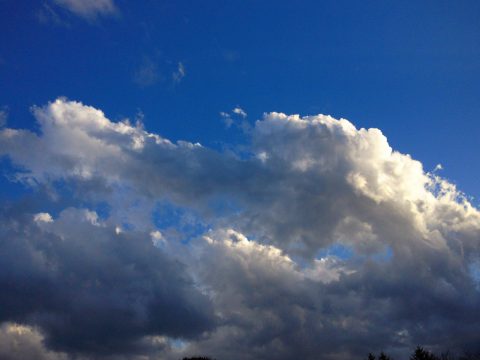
[383, 256]
[12, 189]
[340, 251]
[103, 210]
[178, 344]
[346, 253]
[62, 194]
[380, 65]
[187, 222]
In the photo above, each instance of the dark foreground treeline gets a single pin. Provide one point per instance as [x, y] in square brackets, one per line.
[418, 354]
[421, 354]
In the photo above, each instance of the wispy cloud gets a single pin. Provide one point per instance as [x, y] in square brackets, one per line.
[88, 9]
[179, 74]
[155, 69]
[147, 73]
[227, 119]
[3, 115]
[47, 14]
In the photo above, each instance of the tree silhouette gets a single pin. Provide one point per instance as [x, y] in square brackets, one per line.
[422, 354]
[384, 356]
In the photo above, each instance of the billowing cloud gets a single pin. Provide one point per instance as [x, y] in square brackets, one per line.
[88, 9]
[92, 289]
[331, 308]
[19, 342]
[322, 243]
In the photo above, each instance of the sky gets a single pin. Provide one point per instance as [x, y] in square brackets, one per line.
[238, 179]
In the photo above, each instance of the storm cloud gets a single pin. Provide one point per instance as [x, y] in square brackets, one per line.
[91, 288]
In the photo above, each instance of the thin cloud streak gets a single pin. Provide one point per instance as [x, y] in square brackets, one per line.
[89, 9]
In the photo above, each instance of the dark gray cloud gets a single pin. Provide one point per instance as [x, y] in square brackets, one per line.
[352, 247]
[91, 288]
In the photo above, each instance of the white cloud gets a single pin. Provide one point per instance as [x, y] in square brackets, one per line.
[239, 111]
[88, 9]
[157, 238]
[43, 217]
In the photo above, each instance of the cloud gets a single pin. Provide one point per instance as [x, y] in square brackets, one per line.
[3, 116]
[43, 217]
[331, 308]
[179, 74]
[147, 73]
[19, 342]
[237, 117]
[91, 289]
[48, 15]
[153, 70]
[239, 111]
[88, 9]
[322, 243]
[227, 119]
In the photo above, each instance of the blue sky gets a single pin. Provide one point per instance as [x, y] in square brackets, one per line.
[410, 69]
[216, 178]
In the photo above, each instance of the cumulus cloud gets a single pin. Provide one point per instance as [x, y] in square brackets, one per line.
[322, 243]
[88, 9]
